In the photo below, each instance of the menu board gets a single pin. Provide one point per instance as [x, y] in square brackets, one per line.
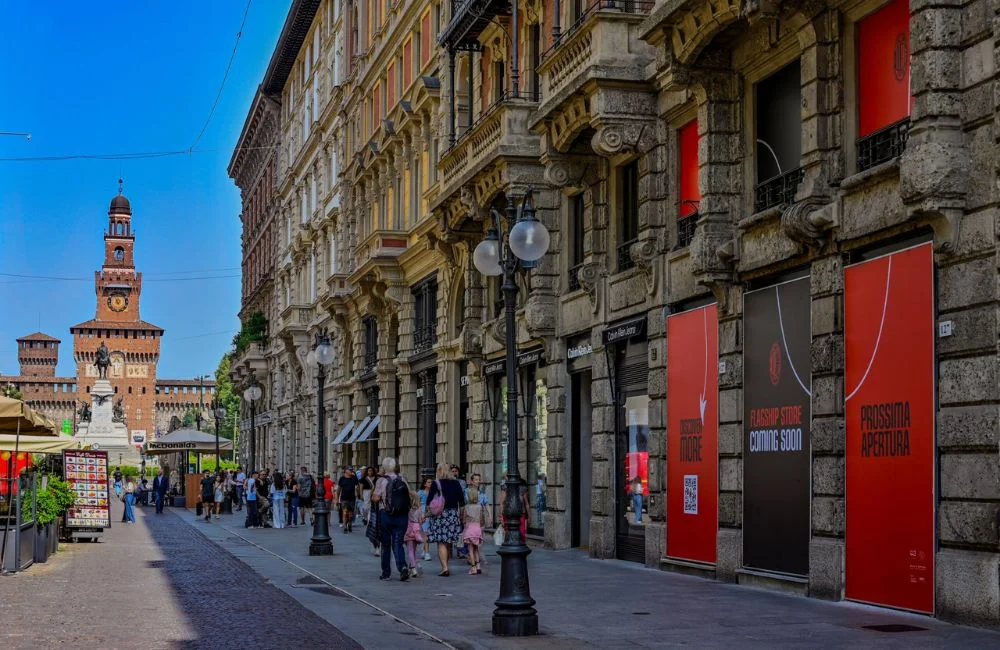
[87, 475]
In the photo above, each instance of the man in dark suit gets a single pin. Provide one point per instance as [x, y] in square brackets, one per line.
[160, 486]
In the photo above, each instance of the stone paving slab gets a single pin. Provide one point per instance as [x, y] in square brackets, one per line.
[153, 585]
[582, 603]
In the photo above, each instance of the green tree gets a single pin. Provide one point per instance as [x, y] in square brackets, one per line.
[11, 391]
[191, 417]
[253, 330]
[227, 394]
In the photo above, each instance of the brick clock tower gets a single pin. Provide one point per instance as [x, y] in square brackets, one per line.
[134, 343]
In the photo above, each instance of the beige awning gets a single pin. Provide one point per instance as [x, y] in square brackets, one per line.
[18, 417]
[37, 444]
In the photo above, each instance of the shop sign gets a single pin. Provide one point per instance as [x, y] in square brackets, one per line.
[530, 358]
[171, 445]
[693, 434]
[578, 351]
[889, 413]
[464, 381]
[624, 331]
[777, 394]
[67, 426]
[495, 367]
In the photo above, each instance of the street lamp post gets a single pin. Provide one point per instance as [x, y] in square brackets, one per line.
[525, 242]
[219, 412]
[320, 356]
[252, 394]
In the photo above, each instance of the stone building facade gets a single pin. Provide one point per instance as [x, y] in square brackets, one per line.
[134, 344]
[718, 363]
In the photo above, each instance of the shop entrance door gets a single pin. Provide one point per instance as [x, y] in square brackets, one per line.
[631, 451]
[580, 459]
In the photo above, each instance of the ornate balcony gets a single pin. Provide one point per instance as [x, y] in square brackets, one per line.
[501, 131]
[380, 246]
[295, 319]
[253, 357]
[604, 39]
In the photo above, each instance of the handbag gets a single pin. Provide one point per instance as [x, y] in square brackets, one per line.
[371, 530]
[498, 536]
[436, 506]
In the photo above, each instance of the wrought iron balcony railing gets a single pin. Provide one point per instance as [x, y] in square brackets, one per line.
[625, 261]
[883, 145]
[779, 190]
[574, 277]
[424, 338]
[686, 227]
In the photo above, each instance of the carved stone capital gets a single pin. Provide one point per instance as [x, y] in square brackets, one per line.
[713, 254]
[644, 253]
[809, 222]
[589, 276]
[617, 138]
[566, 172]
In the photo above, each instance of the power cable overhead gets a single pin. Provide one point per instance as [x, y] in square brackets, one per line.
[225, 76]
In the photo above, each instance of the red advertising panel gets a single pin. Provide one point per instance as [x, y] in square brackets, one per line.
[889, 385]
[687, 181]
[87, 475]
[693, 434]
[884, 58]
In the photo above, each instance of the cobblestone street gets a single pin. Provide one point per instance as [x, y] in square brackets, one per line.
[156, 584]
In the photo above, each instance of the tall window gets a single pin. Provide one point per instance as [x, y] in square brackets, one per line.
[884, 100]
[576, 230]
[370, 326]
[425, 314]
[534, 57]
[778, 117]
[688, 194]
[628, 213]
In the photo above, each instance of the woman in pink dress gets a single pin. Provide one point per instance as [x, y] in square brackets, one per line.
[414, 535]
[472, 534]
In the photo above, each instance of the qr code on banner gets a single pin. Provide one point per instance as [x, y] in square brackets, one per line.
[691, 494]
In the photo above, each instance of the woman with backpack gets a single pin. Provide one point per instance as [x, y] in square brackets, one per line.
[444, 500]
[392, 497]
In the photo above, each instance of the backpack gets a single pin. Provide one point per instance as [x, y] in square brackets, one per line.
[397, 497]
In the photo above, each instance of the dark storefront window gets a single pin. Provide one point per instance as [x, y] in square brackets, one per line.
[534, 431]
[372, 393]
[496, 401]
[425, 314]
[778, 115]
[463, 416]
[370, 327]
[427, 422]
[628, 218]
[576, 229]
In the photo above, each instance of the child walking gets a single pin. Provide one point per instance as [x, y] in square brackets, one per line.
[414, 534]
[472, 517]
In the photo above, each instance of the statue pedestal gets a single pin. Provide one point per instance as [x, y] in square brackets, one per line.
[102, 432]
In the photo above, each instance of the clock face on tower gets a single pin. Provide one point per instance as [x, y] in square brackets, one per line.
[117, 301]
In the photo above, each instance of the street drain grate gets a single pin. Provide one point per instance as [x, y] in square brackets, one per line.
[894, 627]
[640, 613]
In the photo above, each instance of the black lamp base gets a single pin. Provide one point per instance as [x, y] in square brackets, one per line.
[321, 548]
[515, 613]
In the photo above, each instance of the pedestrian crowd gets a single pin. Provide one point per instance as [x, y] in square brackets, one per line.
[400, 522]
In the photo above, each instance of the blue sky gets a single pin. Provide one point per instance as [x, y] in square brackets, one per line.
[123, 77]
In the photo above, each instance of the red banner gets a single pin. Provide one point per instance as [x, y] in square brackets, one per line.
[884, 57]
[889, 387]
[693, 434]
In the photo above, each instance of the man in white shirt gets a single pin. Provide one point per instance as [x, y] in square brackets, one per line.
[241, 479]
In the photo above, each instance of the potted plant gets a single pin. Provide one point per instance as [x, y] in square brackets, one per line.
[65, 497]
[46, 511]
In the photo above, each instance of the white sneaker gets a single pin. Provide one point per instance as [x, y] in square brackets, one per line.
[426, 556]
[376, 553]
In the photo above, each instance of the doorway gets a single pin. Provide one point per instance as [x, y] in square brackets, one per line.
[631, 473]
[580, 459]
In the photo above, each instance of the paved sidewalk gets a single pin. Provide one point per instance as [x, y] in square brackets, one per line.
[582, 603]
[153, 585]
